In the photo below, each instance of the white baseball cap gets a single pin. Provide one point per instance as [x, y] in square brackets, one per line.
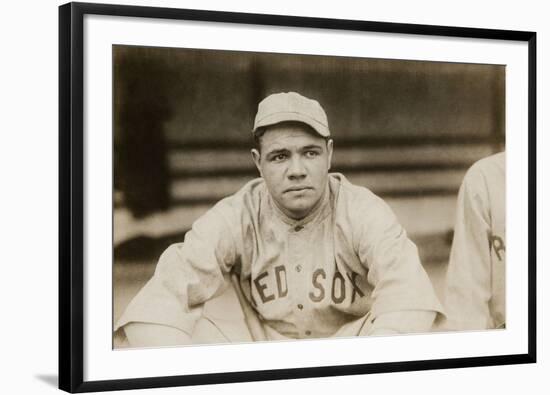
[291, 106]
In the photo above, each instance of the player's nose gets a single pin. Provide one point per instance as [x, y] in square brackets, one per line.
[296, 168]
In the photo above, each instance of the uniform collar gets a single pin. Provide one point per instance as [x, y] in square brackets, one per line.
[320, 212]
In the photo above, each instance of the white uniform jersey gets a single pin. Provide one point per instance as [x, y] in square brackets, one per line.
[475, 292]
[304, 279]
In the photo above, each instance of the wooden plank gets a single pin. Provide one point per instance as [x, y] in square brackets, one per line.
[408, 183]
[235, 162]
[190, 143]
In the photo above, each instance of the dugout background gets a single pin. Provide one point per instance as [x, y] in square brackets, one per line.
[408, 130]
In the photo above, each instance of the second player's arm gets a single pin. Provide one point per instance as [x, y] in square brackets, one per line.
[467, 291]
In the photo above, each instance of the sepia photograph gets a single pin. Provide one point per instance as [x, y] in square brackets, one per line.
[248, 197]
[265, 196]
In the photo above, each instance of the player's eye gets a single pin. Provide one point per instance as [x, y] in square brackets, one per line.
[312, 154]
[278, 157]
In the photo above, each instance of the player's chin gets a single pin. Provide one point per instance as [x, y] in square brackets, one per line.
[300, 206]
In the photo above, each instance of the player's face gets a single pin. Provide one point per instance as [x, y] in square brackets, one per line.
[294, 162]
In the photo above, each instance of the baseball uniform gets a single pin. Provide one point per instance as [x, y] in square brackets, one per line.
[347, 261]
[475, 289]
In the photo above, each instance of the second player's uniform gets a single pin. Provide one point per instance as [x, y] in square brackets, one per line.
[348, 260]
[475, 291]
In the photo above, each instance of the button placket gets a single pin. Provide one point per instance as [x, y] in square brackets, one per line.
[297, 253]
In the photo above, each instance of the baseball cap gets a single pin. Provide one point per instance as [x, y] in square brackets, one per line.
[291, 106]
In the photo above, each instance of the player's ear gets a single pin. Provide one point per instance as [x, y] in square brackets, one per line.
[330, 145]
[256, 157]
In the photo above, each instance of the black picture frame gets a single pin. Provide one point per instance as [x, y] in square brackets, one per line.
[71, 195]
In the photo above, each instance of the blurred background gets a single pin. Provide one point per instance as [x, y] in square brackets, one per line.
[407, 130]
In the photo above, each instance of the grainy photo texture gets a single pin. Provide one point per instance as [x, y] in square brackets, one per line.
[262, 196]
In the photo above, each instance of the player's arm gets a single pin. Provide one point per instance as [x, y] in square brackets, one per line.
[166, 309]
[402, 322]
[404, 300]
[142, 334]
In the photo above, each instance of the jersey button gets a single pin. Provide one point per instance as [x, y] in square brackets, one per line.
[308, 333]
[299, 268]
[298, 228]
[300, 306]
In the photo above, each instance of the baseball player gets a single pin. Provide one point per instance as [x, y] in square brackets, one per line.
[298, 253]
[475, 289]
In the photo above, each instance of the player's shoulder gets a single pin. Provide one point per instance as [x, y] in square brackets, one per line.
[490, 163]
[352, 193]
[486, 169]
[363, 216]
[356, 198]
[232, 212]
[246, 200]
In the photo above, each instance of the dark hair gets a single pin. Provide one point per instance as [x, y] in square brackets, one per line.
[257, 136]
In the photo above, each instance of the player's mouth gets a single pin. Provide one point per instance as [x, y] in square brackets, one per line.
[298, 188]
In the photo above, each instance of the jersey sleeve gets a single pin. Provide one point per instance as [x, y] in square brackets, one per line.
[399, 280]
[187, 274]
[467, 291]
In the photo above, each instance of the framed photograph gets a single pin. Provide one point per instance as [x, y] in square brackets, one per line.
[249, 197]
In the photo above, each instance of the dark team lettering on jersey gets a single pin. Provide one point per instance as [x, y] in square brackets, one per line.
[498, 246]
[271, 286]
